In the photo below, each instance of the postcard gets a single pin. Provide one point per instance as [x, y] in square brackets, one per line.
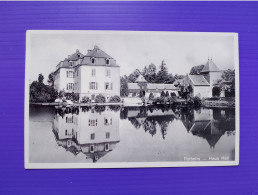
[127, 99]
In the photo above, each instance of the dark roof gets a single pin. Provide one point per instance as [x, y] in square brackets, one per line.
[198, 80]
[97, 53]
[75, 56]
[210, 67]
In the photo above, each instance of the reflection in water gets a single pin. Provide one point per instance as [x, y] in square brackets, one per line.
[170, 133]
[93, 131]
[209, 124]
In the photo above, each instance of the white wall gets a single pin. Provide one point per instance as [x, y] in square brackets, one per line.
[100, 77]
[201, 91]
[61, 80]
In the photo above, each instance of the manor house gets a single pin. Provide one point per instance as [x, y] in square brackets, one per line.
[88, 75]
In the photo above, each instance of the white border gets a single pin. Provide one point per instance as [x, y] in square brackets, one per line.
[29, 165]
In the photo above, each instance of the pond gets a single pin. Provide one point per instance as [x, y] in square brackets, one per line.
[130, 134]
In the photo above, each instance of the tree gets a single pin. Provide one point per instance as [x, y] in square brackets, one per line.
[162, 75]
[176, 77]
[123, 86]
[51, 79]
[196, 70]
[133, 76]
[167, 94]
[162, 94]
[40, 78]
[227, 82]
[151, 96]
[39, 92]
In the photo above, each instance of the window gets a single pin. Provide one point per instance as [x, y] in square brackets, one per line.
[93, 72]
[91, 148]
[93, 85]
[106, 147]
[108, 72]
[93, 122]
[72, 131]
[69, 119]
[65, 132]
[70, 63]
[108, 86]
[93, 60]
[70, 74]
[77, 72]
[70, 86]
[107, 121]
[92, 136]
[107, 135]
[107, 61]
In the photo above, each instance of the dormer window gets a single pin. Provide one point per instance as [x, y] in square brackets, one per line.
[70, 63]
[93, 60]
[107, 61]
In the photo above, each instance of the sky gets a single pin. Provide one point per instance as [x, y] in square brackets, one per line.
[131, 50]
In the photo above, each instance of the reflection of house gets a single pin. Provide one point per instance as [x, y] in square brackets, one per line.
[149, 119]
[141, 86]
[89, 75]
[209, 124]
[91, 133]
[203, 84]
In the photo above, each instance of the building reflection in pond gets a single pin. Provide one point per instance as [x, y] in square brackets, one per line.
[149, 118]
[93, 131]
[209, 124]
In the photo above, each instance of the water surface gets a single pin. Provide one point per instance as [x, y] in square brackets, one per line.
[130, 134]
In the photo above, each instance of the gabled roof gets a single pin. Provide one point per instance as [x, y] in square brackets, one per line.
[210, 67]
[97, 53]
[140, 79]
[198, 80]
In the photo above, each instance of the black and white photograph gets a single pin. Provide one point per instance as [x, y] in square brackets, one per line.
[122, 99]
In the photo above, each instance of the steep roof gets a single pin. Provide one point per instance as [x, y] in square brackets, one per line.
[140, 79]
[198, 80]
[75, 56]
[210, 67]
[97, 53]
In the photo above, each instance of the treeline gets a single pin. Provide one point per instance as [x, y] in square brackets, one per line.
[39, 92]
[151, 75]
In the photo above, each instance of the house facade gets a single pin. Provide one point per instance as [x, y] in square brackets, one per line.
[88, 75]
[204, 85]
[142, 87]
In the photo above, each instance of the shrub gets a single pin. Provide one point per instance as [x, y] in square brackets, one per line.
[197, 101]
[85, 99]
[72, 96]
[162, 94]
[173, 94]
[167, 94]
[151, 96]
[114, 99]
[100, 98]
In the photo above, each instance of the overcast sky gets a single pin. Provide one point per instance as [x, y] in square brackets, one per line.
[180, 51]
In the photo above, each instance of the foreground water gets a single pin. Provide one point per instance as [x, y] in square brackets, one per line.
[130, 134]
